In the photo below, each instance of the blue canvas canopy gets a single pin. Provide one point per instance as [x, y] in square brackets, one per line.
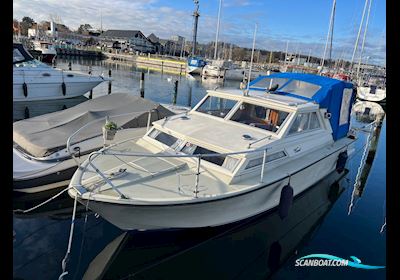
[327, 92]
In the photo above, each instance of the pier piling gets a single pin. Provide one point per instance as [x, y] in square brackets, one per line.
[141, 84]
[175, 93]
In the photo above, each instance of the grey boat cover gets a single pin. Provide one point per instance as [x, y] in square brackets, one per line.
[43, 135]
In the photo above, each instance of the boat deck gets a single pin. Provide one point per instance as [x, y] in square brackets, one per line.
[156, 179]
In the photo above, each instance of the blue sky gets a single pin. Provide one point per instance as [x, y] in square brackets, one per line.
[304, 23]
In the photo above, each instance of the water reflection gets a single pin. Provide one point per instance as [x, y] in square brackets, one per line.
[25, 110]
[252, 249]
[372, 114]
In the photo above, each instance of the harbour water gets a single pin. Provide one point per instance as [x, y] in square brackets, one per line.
[343, 215]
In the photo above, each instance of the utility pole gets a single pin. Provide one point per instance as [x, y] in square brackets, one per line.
[196, 15]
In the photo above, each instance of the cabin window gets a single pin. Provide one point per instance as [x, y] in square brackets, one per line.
[300, 123]
[17, 56]
[165, 138]
[226, 162]
[267, 83]
[258, 161]
[314, 122]
[216, 106]
[301, 88]
[305, 121]
[259, 116]
[345, 107]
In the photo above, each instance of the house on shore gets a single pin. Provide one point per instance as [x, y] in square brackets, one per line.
[132, 40]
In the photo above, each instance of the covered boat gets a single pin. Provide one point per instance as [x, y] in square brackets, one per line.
[234, 155]
[41, 157]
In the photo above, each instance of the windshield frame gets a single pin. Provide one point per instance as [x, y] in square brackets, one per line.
[227, 115]
[276, 133]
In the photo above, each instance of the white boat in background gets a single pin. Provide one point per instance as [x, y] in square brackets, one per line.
[195, 65]
[225, 69]
[48, 52]
[231, 157]
[366, 111]
[41, 159]
[373, 90]
[35, 81]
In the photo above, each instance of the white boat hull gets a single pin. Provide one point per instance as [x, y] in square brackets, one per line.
[46, 84]
[213, 212]
[368, 94]
[194, 70]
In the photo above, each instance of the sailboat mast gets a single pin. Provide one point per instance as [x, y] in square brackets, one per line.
[101, 21]
[196, 19]
[358, 36]
[216, 36]
[363, 42]
[251, 59]
[287, 47]
[329, 34]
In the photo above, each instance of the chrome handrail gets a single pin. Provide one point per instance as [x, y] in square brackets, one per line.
[196, 156]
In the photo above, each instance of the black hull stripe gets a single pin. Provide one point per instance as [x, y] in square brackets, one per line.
[44, 180]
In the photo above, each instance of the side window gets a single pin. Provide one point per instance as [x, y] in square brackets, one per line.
[314, 122]
[300, 123]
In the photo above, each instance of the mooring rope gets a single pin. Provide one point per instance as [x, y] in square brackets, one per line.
[71, 233]
[41, 204]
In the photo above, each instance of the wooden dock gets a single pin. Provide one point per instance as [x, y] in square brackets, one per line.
[161, 64]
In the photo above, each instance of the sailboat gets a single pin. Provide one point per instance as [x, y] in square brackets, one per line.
[195, 63]
[374, 88]
[226, 69]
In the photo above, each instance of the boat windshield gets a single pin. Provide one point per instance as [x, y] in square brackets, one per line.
[226, 162]
[31, 63]
[260, 116]
[216, 106]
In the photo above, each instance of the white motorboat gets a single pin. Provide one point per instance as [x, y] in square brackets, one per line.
[373, 90]
[36, 81]
[225, 69]
[47, 50]
[366, 111]
[231, 157]
[41, 158]
[195, 65]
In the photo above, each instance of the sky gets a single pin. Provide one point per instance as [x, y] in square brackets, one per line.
[302, 25]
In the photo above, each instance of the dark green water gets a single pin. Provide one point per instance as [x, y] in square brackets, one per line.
[262, 247]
